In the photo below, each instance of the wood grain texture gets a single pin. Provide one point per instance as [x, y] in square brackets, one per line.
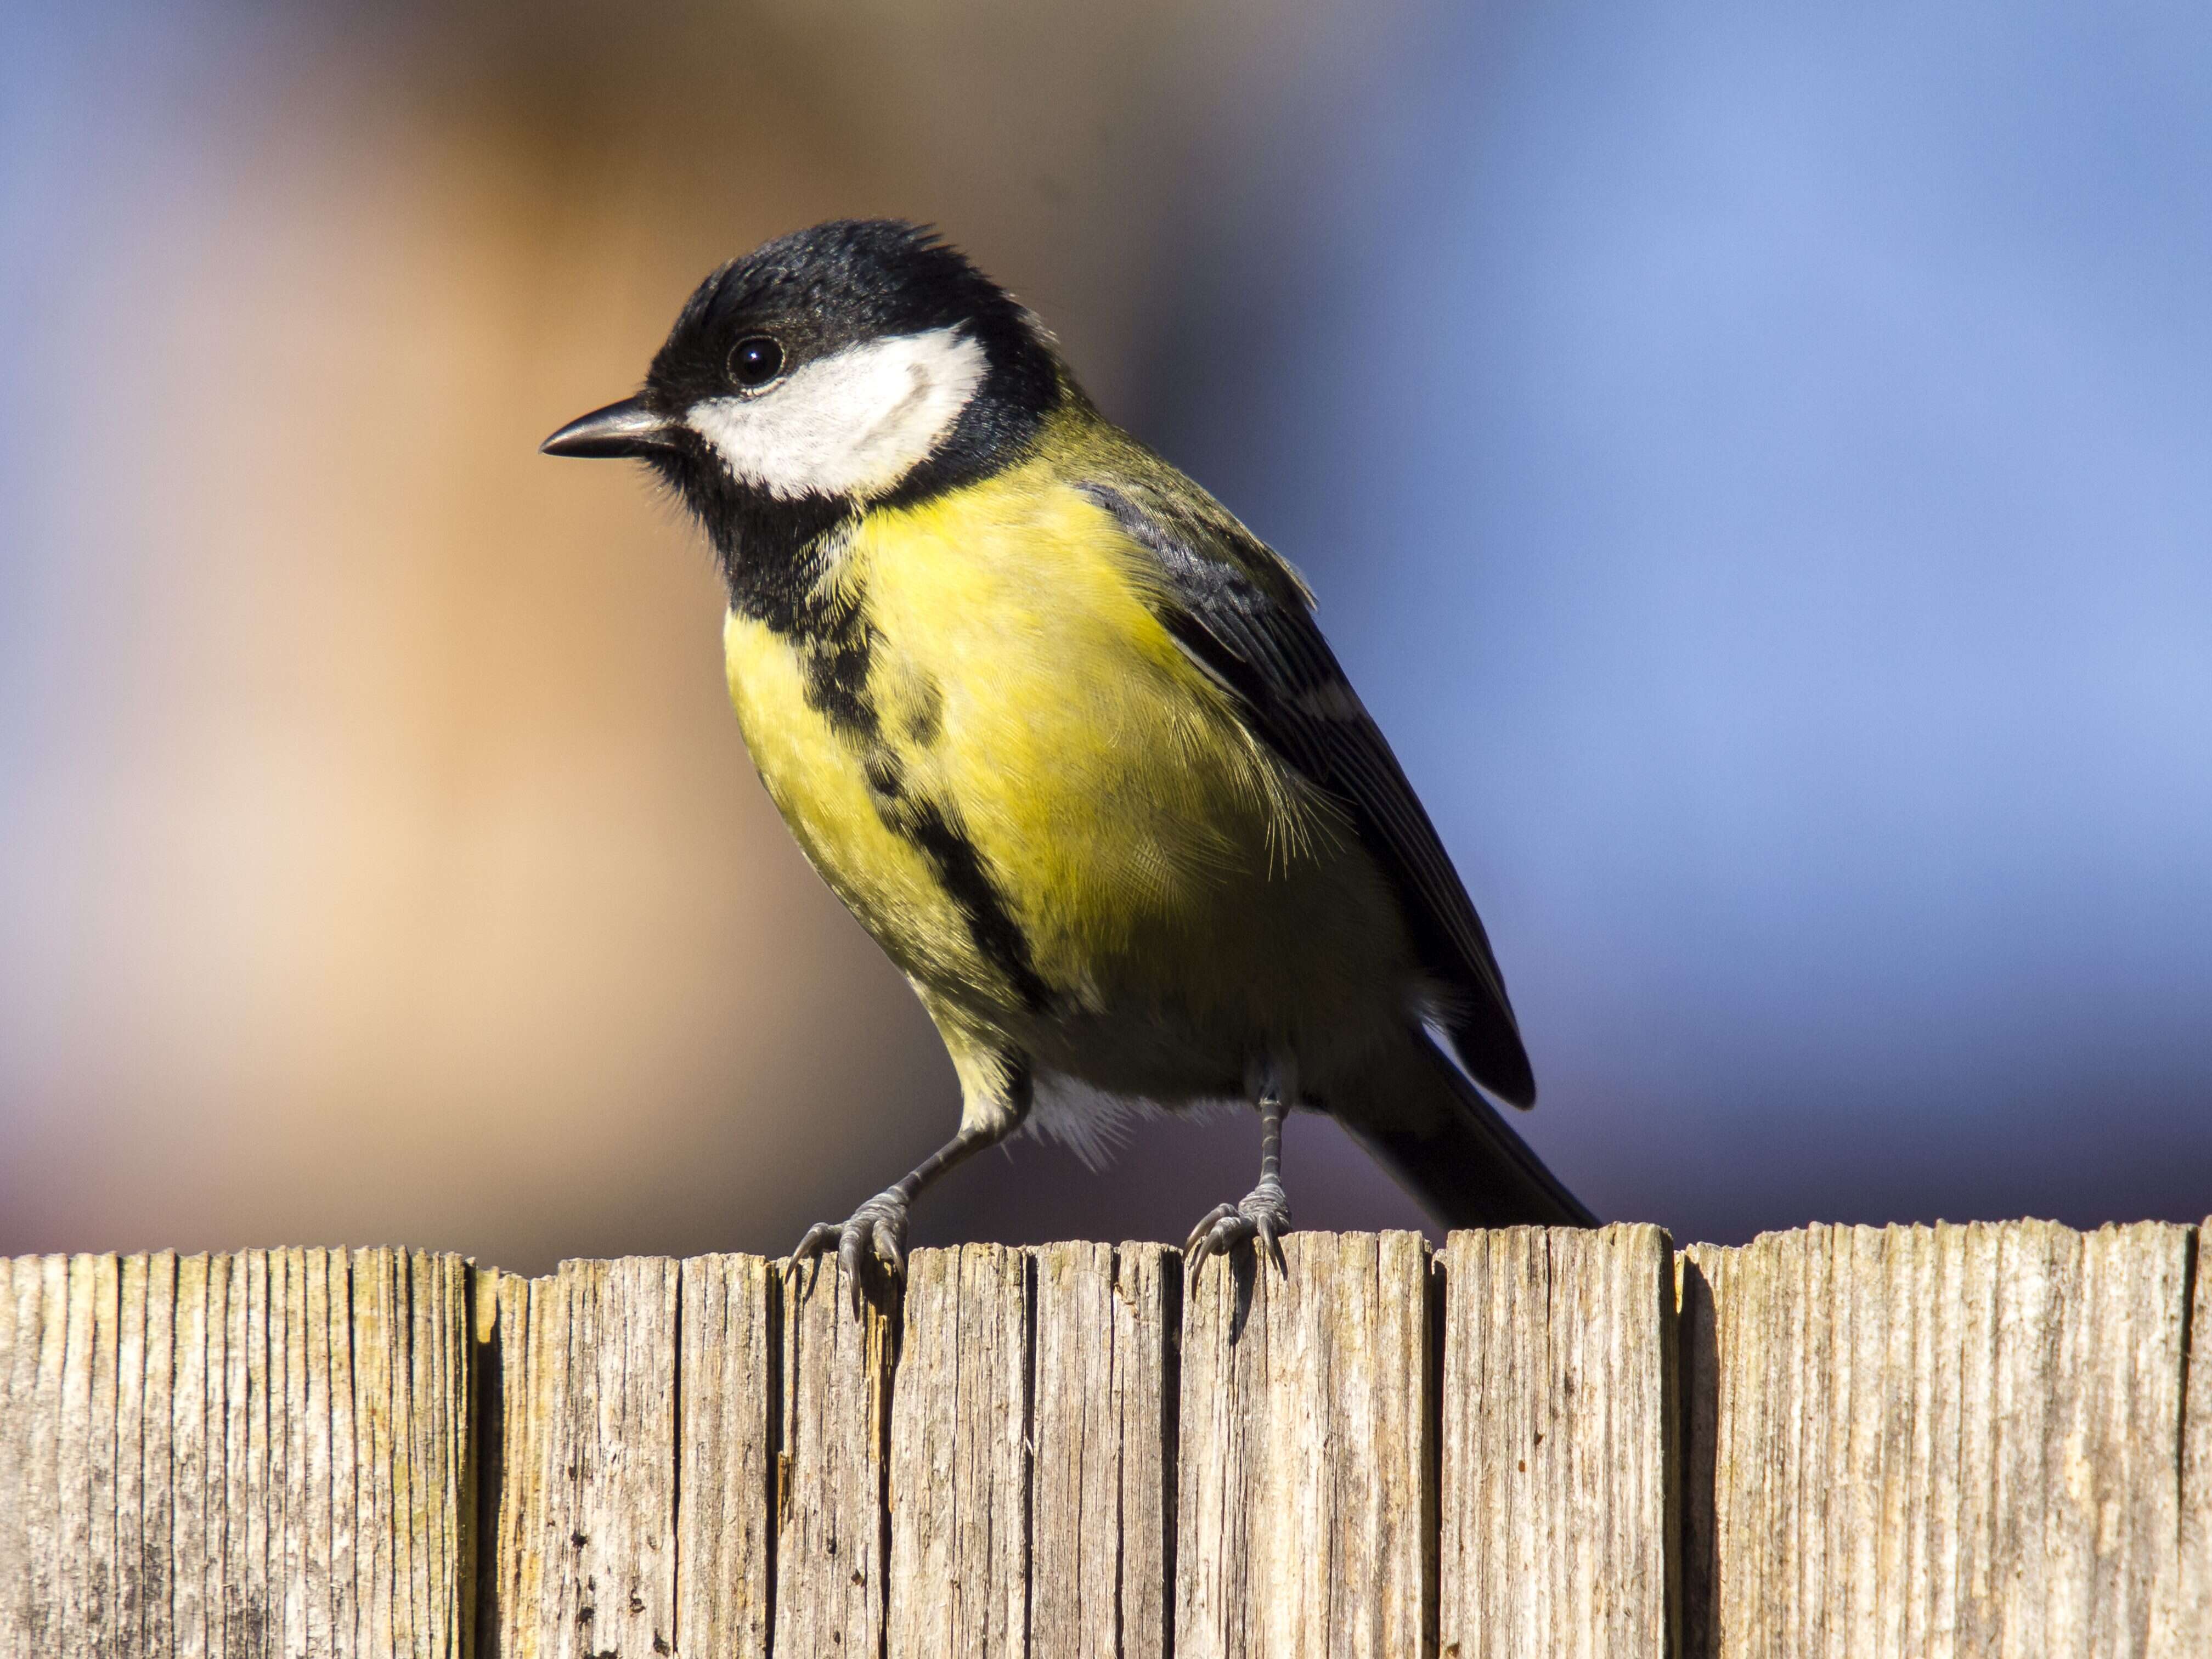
[1306, 1504]
[959, 1459]
[2189, 1629]
[1102, 1485]
[834, 1432]
[245, 1454]
[1994, 1439]
[585, 1563]
[724, 1514]
[18, 1396]
[1952, 1440]
[1558, 1408]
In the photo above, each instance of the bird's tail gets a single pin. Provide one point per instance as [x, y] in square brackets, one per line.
[1451, 1148]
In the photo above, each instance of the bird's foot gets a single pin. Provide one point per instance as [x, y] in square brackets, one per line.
[873, 1238]
[1262, 1219]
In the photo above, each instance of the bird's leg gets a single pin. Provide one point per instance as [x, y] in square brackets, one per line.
[1264, 1214]
[876, 1232]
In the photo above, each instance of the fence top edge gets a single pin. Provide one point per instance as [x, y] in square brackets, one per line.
[99, 1260]
[1971, 1232]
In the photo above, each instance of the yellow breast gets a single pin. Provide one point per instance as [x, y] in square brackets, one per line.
[1004, 682]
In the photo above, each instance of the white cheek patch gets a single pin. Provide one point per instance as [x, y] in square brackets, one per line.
[853, 423]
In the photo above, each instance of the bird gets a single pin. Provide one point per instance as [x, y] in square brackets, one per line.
[1066, 739]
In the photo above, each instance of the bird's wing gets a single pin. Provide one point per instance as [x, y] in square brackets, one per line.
[1243, 615]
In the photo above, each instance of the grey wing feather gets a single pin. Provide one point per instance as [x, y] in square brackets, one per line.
[1241, 614]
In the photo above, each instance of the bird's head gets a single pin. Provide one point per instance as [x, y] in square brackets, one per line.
[860, 362]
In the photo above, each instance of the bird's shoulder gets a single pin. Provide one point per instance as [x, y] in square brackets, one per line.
[1198, 544]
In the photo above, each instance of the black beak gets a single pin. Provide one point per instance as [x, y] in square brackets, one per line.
[628, 428]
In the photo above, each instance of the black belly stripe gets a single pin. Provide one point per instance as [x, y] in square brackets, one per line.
[828, 625]
[927, 827]
[961, 872]
[837, 662]
[835, 640]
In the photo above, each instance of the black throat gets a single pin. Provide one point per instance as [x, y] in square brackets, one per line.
[774, 553]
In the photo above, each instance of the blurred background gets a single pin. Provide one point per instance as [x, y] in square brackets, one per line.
[1757, 464]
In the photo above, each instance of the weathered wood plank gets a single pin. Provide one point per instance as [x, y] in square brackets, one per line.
[85, 1441]
[442, 1346]
[126, 1437]
[2189, 1628]
[245, 1587]
[958, 1497]
[144, 1472]
[1992, 1439]
[1103, 1496]
[1558, 1427]
[159, 1463]
[316, 1573]
[1698, 1400]
[1949, 1440]
[587, 1557]
[21, 1286]
[194, 1556]
[167, 1483]
[511, 1435]
[378, 1546]
[723, 1514]
[830, 1547]
[44, 1333]
[1306, 1508]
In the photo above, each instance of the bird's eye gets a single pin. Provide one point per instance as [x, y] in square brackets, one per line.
[754, 360]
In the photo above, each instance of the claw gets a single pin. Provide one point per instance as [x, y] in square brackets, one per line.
[1271, 1241]
[819, 1238]
[849, 1258]
[1201, 1240]
[876, 1232]
[1263, 1218]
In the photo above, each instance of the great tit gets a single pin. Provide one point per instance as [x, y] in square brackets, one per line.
[1064, 736]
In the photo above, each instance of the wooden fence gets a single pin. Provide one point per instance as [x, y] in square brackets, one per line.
[1983, 1439]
